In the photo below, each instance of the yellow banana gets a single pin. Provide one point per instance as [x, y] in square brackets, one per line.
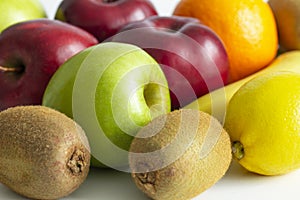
[215, 102]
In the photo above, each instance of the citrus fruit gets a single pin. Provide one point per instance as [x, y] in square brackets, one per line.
[247, 28]
[263, 121]
[287, 15]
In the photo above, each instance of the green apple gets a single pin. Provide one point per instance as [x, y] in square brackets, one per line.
[112, 90]
[13, 11]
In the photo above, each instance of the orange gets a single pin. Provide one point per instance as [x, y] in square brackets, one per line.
[246, 27]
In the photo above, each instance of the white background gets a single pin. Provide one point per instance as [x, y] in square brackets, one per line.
[236, 184]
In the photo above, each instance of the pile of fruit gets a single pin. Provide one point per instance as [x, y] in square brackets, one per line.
[170, 99]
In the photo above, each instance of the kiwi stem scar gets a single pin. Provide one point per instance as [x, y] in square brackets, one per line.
[10, 69]
[238, 150]
[76, 162]
[148, 181]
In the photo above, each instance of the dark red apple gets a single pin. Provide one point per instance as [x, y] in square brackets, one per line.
[30, 53]
[103, 18]
[191, 55]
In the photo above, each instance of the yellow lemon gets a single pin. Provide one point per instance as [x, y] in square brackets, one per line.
[263, 121]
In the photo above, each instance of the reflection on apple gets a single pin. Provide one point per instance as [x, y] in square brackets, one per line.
[30, 52]
[111, 90]
[191, 55]
[103, 18]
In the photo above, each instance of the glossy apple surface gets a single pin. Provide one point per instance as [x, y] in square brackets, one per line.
[30, 52]
[103, 18]
[111, 90]
[14, 11]
[191, 55]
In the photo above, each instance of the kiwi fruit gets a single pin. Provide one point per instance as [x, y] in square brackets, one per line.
[44, 154]
[179, 155]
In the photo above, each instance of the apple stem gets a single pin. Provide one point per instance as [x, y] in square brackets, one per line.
[11, 69]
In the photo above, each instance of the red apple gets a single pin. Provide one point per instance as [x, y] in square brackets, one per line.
[30, 53]
[191, 55]
[103, 18]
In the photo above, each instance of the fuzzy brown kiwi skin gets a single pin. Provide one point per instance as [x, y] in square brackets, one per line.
[44, 154]
[190, 174]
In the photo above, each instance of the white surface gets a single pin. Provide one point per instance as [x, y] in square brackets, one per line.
[236, 184]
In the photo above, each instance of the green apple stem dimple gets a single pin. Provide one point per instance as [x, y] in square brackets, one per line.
[11, 69]
[238, 150]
